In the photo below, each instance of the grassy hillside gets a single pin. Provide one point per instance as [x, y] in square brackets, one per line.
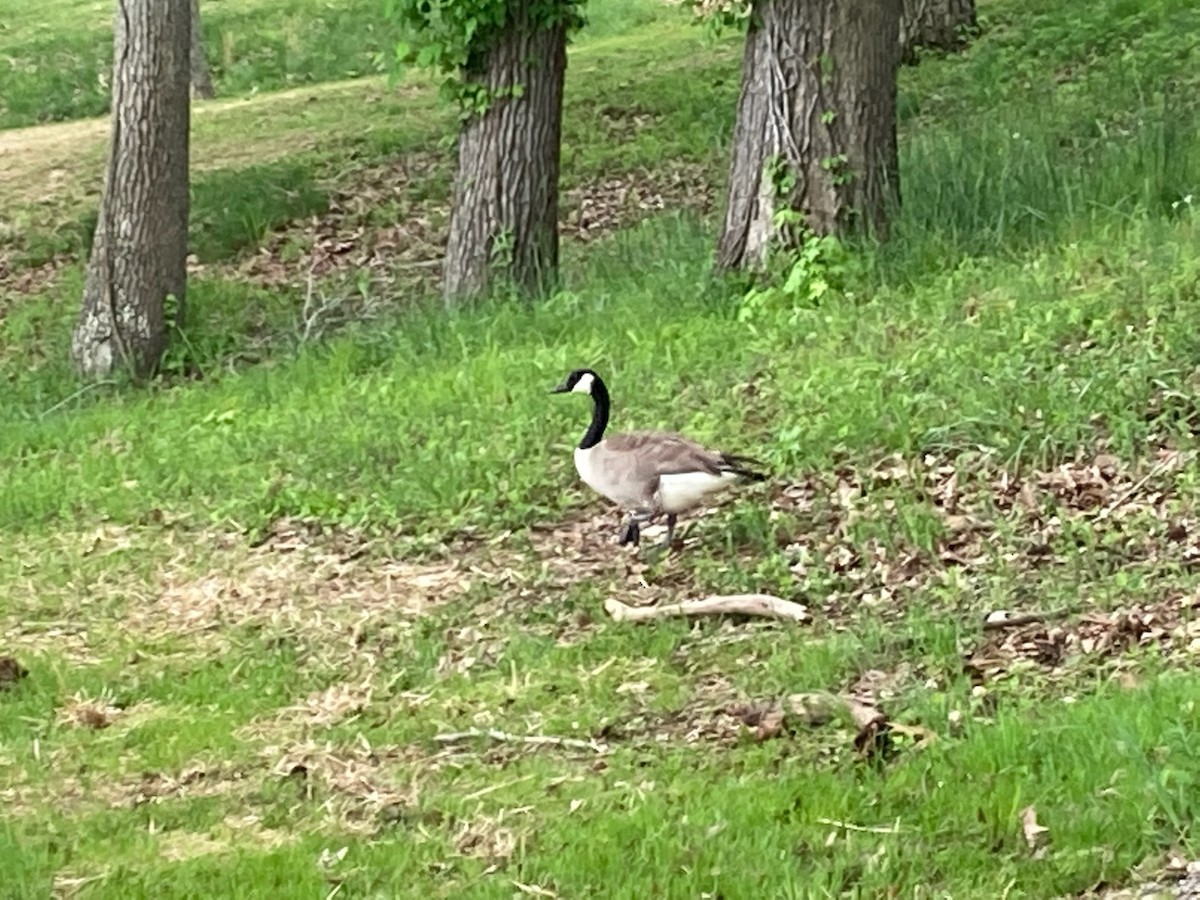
[344, 522]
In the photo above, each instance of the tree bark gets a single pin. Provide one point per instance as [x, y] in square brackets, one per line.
[139, 255]
[201, 74]
[816, 124]
[935, 25]
[504, 216]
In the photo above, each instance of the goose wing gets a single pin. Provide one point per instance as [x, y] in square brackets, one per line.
[650, 454]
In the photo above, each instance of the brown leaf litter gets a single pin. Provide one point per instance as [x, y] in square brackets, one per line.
[23, 280]
[1168, 625]
[349, 238]
[330, 587]
[872, 730]
[531, 569]
[600, 207]
[982, 518]
[1176, 878]
[718, 713]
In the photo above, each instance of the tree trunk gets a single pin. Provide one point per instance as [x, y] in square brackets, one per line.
[934, 25]
[816, 124]
[201, 75]
[139, 255]
[504, 217]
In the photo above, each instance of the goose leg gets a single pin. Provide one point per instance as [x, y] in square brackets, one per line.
[670, 530]
[631, 533]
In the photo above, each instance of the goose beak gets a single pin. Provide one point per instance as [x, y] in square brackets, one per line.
[561, 389]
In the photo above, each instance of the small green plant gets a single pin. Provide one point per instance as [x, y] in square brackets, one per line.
[795, 279]
[453, 37]
[718, 17]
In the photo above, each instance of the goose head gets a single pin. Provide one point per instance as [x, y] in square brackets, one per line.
[579, 381]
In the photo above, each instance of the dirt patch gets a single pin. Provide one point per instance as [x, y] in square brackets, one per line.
[290, 584]
[358, 784]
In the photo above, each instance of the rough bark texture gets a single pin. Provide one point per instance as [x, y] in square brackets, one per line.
[816, 123]
[935, 25]
[139, 255]
[504, 217]
[201, 75]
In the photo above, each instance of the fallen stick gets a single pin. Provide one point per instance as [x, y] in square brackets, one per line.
[869, 829]
[999, 623]
[538, 740]
[763, 605]
[1157, 469]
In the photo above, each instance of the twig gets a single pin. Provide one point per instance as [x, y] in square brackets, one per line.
[534, 890]
[538, 740]
[870, 829]
[492, 788]
[717, 605]
[107, 382]
[1157, 469]
[314, 313]
[990, 624]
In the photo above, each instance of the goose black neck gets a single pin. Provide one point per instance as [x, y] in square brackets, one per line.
[595, 431]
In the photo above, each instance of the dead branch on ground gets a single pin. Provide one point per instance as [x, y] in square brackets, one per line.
[999, 620]
[764, 605]
[537, 740]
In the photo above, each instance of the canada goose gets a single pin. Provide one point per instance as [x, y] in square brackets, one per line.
[647, 473]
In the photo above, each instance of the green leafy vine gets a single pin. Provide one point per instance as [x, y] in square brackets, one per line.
[452, 38]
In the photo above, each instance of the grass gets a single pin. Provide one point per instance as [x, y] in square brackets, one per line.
[57, 61]
[250, 596]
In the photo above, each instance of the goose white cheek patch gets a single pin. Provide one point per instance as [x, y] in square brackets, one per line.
[583, 385]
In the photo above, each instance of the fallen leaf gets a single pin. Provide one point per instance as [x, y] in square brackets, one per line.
[1035, 834]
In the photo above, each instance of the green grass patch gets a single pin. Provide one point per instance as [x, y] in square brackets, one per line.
[250, 596]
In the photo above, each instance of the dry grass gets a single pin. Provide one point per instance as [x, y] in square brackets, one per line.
[360, 788]
[89, 712]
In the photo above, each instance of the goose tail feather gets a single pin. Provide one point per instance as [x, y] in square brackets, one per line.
[744, 466]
